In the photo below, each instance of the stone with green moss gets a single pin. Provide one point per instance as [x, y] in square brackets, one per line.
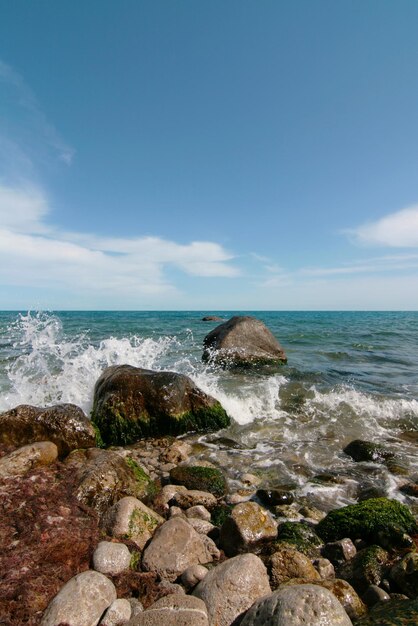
[366, 568]
[200, 478]
[366, 520]
[300, 536]
[131, 403]
[391, 613]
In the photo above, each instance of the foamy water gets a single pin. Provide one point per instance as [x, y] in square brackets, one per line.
[288, 426]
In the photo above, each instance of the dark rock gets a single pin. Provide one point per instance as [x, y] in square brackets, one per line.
[375, 594]
[367, 568]
[338, 552]
[64, 424]
[365, 519]
[243, 341]
[405, 574]
[199, 478]
[392, 613]
[103, 477]
[300, 536]
[274, 497]
[131, 403]
[211, 318]
[411, 489]
[360, 450]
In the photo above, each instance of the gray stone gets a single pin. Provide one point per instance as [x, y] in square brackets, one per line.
[111, 558]
[340, 551]
[247, 528]
[193, 497]
[81, 602]
[242, 341]
[173, 610]
[178, 452]
[193, 575]
[131, 519]
[230, 588]
[198, 512]
[28, 457]
[64, 424]
[118, 614]
[162, 501]
[136, 607]
[174, 547]
[342, 590]
[176, 511]
[288, 563]
[324, 568]
[298, 605]
[201, 526]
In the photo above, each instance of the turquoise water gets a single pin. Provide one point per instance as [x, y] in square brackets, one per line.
[349, 375]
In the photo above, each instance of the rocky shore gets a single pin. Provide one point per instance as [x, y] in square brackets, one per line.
[118, 521]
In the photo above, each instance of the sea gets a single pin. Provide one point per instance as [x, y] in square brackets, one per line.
[350, 375]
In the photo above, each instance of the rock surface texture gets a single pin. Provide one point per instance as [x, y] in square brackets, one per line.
[231, 588]
[131, 403]
[64, 424]
[130, 519]
[26, 458]
[111, 558]
[247, 528]
[242, 341]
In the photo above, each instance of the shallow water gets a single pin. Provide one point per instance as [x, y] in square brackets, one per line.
[349, 375]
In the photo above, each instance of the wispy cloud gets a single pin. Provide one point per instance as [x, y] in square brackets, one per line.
[397, 230]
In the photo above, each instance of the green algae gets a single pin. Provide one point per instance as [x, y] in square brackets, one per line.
[299, 536]
[201, 478]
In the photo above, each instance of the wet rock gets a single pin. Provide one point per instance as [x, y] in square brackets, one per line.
[188, 498]
[405, 574]
[231, 588]
[174, 547]
[81, 602]
[289, 563]
[312, 513]
[129, 518]
[375, 594]
[410, 489]
[247, 528]
[131, 403]
[297, 605]
[288, 511]
[177, 452]
[193, 575]
[300, 536]
[365, 519]
[211, 318]
[274, 497]
[111, 558]
[243, 341]
[195, 477]
[26, 458]
[342, 590]
[174, 610]
[392, 613]
[324, 568]
[366, 568]
[361, 450]
[118, 613]
[64, 424]
[198, 512]
[250, 479]
[338, 552]
[104, 477]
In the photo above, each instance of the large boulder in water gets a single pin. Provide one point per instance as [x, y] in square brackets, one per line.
[131, 403]
[242, 341]
[64, 424]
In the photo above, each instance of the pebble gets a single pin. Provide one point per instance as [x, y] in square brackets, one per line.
[111, 558]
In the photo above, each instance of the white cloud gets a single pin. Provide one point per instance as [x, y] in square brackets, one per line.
[399, 229]
[22, 208]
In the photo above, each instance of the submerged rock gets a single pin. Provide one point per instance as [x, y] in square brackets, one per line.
[243, 341]
[131, 403]
[392, 613]
[361, 450]
[366, 520]
[64, 424]
[199, 478]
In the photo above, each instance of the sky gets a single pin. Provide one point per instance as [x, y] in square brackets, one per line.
[209, 154]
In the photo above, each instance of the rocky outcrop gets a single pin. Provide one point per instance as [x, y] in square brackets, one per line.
[64, 424]
[131, 403]
[242, 341]
[231, 588]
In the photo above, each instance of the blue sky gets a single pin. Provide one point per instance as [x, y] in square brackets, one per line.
[205, 154]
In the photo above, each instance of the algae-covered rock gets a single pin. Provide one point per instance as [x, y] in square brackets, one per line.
[366, 519]
[405, 574]
[131, 403]
[243, 341]
[361, 450]
[64, 424]
[300, 536]
[129, 518]
[392, 613]
[367, 568]
[289, 563]
[199, 478]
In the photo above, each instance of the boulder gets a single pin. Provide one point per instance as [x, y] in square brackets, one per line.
[288, 563]
[211, 318]
[130, 519]
[64, 424]
[297, 605]
[111, 558]
[174, 547]
[231, 588]
[26, 458]
[368, 520]
[131, 403]
[342, 590]
[247, 528]
[174, 610]
[104, 477]
[200, 478]
[81, 602]
[242, 341]
[198, 512]
[118, 613]
[275, 497]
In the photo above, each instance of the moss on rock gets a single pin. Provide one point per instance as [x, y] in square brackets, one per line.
[201, 478]
[300, 536]
[366, 520]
